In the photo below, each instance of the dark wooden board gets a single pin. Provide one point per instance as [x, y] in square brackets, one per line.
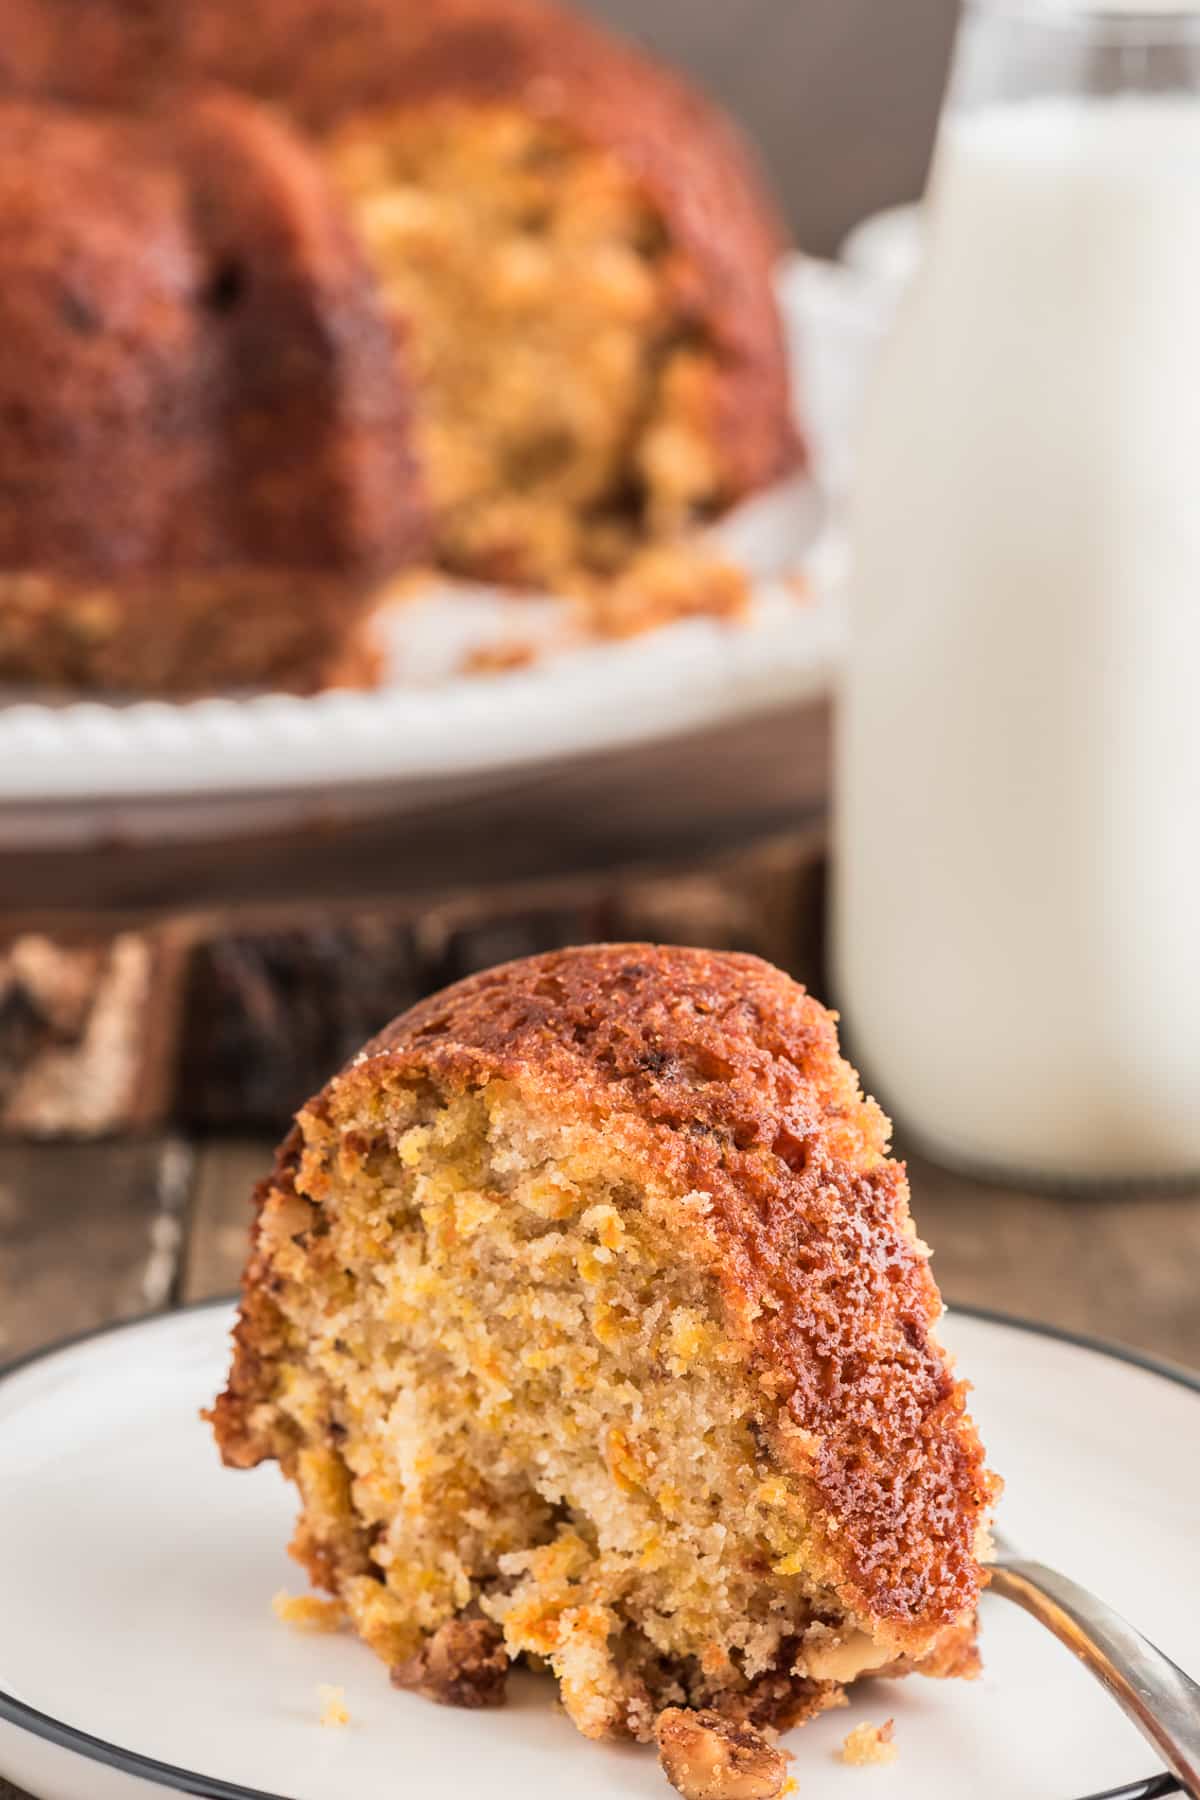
[88, 1235]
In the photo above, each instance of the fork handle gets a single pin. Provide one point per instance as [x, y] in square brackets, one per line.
[1162, 1701]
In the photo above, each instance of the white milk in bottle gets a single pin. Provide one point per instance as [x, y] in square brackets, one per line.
[1017, 887]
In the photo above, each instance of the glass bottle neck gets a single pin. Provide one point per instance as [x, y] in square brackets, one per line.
[1012, 50]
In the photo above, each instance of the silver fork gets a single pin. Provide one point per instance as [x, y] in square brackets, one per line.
[1162, 1701]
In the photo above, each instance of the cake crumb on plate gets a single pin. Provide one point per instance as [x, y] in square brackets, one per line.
[868, 1744]
[333, 1705]
[308, 1612]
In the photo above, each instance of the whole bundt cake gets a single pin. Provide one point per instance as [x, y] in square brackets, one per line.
[586, 1312]
[296, 296]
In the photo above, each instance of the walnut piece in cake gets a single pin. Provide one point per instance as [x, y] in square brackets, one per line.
[462, 1664]
[708, 1757]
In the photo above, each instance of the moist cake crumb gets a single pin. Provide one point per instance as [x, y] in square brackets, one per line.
[308, 1612]
[567, 405]
[333, 1706]
[708, 1757]
[868, 1744]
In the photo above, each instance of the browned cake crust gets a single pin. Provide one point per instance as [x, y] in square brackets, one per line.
[203, 434]
[196, 376]
[723, 1077]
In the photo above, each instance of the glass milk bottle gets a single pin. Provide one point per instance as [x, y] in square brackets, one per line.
[1017, 882]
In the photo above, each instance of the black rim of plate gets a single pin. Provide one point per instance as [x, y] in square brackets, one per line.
[209, 1787]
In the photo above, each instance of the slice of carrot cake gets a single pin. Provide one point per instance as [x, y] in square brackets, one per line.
[587, 1315]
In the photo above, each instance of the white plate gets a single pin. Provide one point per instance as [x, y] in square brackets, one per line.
[90, 772]
[137, 1640]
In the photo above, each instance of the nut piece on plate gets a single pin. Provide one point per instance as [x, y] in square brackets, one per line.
[707, 1757]
[868, 1744]
[463, 1664]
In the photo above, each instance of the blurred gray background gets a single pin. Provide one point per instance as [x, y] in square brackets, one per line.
[841, 95]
